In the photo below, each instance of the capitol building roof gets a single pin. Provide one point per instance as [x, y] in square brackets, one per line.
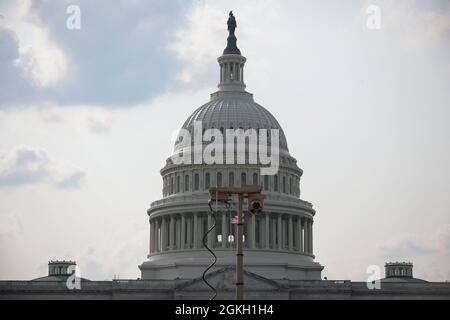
[231, 112]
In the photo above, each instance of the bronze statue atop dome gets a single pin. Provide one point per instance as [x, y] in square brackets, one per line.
[231, 23]
[231, 40]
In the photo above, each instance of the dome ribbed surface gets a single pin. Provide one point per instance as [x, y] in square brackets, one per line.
[233, 113]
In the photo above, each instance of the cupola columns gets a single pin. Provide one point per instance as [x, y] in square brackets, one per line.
[231, 62]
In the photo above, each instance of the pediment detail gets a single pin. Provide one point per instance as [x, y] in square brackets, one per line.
[224, 279]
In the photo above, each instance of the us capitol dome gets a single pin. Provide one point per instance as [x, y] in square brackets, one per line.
[278, 244]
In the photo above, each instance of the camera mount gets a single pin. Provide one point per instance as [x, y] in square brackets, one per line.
[255, 206]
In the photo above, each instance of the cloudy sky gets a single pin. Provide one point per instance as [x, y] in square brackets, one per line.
[87, 115]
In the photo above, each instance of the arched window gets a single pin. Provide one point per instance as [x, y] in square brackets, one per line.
[266, 182]
[178, 183]
[219, 179]
[275, 183]
[186, 183]
[207, 180]
[196, 181]
[255, 178]
[231, 179]
[284, 184]
[243, 179]
[171, 185]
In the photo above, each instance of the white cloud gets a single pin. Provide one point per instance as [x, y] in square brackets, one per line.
[117, 58]
[197, 44]
[99, 120]
[40, 59]
[10, 226]
[27, 165]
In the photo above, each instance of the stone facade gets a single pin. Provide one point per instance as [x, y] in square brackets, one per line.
[257, 287]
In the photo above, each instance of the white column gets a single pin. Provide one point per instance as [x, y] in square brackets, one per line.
[157, 234]
[267, 231]
[224, 72]
[311, 236]
[253, 232]
[297, 233]
[189, 232]
[211, 234]
[183, 231]
[300, 244]
[166, 233]
[172, 233]
[273, 233]
[154, 236]
[290, 231]
[151, 236]
[177, 234]
[305, 235]
[161, 234]
[196, 230]
[200, 230]
[224, 230]
[307, 238]
[279, 237]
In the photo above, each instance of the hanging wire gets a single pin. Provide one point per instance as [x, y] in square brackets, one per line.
[205, 244]
[227, 205]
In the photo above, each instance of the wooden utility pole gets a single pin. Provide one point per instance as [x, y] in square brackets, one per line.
[240, 252]
[224, 194]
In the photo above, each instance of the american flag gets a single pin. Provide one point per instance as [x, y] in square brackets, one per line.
[235, 220]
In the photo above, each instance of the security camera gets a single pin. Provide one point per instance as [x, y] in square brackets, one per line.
[219, 194]
[256, 203]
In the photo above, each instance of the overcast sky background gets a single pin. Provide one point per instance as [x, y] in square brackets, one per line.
[86, 119]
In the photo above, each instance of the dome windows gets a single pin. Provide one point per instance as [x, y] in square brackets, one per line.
[255, 178]
[219, 179]
[243, 179]
[175, 183]
[207, 180]
[186, 183]
[290, 185]
[266, 183]
[231, 179]
[196, 182]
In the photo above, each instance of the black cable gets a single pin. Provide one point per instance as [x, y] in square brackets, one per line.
[204, 241]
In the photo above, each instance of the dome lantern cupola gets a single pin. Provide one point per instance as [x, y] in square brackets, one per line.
[231, 62]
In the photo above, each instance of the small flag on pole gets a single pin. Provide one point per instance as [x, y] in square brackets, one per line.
[235, 220]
